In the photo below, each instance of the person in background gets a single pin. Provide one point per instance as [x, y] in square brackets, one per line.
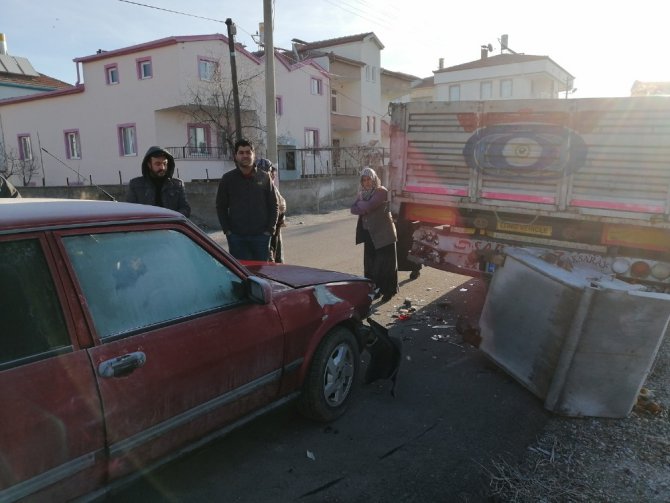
[276, 248]
[375, 229]
[7, 189]
[157, 186]
[247, 206]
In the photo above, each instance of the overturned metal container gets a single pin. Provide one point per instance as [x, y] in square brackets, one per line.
[579, 339]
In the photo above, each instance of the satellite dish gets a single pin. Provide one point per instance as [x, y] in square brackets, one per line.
[490, 48]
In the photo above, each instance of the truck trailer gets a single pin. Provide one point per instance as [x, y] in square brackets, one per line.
[569, 180]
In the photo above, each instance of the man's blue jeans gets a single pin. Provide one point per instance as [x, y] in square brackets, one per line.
[249, 247]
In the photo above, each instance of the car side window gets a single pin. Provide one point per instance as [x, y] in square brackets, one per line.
[32, 325]
[134, 280]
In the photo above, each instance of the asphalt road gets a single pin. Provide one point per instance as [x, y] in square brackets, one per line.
[452, 413]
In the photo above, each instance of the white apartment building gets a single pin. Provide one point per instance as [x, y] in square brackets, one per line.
[173, 92]
[354, 63]
[499, 77]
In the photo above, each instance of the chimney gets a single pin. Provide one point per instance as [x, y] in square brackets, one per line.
[3, 44]
[485, 52]
[296, 53]
[441, 64]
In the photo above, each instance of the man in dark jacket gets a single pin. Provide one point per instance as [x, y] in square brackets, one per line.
[247, 207]
[7, 189]
[156, 186]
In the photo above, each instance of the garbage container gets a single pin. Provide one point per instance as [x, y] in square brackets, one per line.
[580, 340]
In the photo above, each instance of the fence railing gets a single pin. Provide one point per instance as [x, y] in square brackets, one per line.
[309, 162]
[332, 161]
[199, 153]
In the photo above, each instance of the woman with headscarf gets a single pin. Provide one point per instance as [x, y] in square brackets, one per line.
[375, 229]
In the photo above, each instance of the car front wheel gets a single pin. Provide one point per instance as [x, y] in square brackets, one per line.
[332, 377]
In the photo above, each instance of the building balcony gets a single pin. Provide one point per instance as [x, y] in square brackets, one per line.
[342, 122]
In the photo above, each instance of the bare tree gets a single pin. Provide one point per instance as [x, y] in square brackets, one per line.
[212, 103]
[11, 164]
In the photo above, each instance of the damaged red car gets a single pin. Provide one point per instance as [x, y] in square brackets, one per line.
[129, 337]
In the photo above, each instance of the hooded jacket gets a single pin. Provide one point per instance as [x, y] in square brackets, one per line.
[142, 189]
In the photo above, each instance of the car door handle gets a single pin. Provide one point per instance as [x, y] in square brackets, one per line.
[122, 365]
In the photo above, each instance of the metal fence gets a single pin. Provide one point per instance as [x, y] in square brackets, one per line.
[331, 161]
[309, 162]
[200, 153]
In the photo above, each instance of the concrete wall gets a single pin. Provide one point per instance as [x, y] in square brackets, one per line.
[307, 195]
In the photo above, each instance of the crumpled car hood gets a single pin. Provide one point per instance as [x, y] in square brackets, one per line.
[298, 276]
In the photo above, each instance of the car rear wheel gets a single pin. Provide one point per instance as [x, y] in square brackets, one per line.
[332, 377]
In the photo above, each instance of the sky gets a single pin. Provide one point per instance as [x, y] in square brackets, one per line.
[605, 45]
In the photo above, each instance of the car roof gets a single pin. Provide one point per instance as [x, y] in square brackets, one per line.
[33, 213]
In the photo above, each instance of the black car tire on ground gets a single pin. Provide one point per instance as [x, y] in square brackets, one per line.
[332, 378]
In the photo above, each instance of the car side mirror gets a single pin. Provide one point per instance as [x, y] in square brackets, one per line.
[259, 290]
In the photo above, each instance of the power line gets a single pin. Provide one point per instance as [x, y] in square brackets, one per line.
[358, 14]
[182, 14]
[173, 11]
[220, 21]
[371, 11]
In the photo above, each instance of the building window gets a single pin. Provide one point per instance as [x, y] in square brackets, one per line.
[374, 124]
[112, 74]
[316, 86]
[290, 160]
[367, 73]
[506, 88]
[127, 140]
[455, 92]
[198, 139]
[333, 101]
[207, 69]
[144, 69]
[311, 138]
[279, 105]
[374, 74]
[72, 146]
[25, 147]
[367, 123]
[485, 90]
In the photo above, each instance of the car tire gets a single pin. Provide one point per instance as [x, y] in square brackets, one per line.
[332, 377]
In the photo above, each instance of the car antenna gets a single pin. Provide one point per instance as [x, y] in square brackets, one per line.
[78, 175]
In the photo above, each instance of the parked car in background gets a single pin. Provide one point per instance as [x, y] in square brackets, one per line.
[129, 336]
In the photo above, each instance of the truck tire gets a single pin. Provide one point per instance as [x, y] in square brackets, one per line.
[405, 230]
[332, 377]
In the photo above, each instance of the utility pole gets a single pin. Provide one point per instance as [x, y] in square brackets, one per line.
[270, 97]
[232, 30]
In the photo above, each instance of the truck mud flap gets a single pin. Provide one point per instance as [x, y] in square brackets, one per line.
[385, 355]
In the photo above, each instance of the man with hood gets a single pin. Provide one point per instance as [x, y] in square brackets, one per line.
[156, 186]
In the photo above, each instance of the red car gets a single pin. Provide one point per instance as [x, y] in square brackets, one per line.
[129, 336]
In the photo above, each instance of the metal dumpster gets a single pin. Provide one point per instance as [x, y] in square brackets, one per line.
[580, 340]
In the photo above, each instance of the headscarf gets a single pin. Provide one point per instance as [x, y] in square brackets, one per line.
[369, 172]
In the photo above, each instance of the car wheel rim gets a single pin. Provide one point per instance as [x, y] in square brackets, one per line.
[338, 375]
